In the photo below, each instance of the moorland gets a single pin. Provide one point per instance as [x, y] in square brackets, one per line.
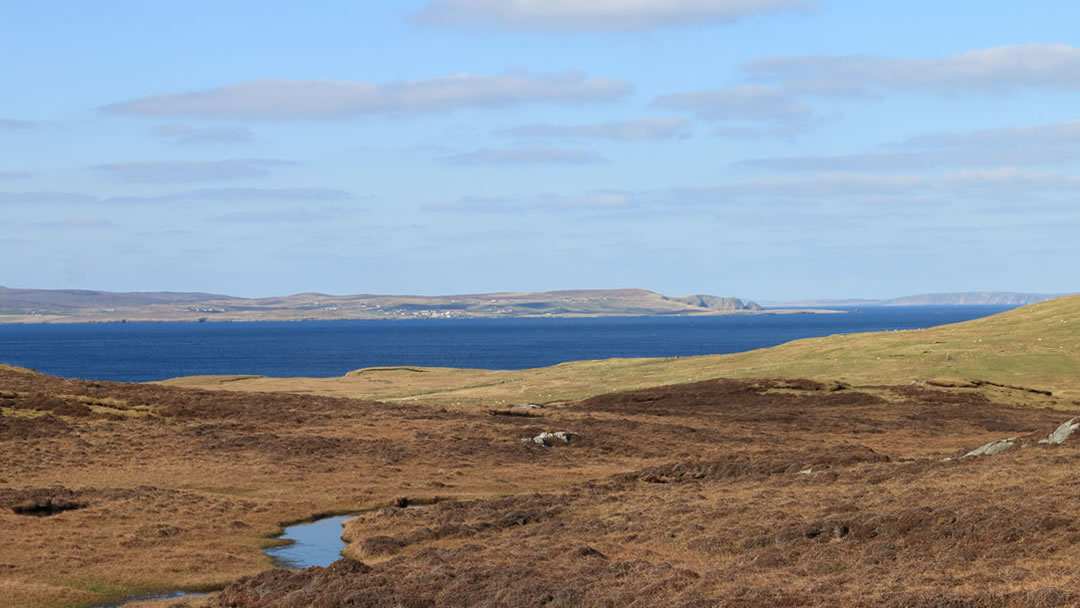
[833, 471]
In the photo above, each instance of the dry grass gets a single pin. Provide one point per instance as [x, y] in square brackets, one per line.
[727, 518]
[693, 492]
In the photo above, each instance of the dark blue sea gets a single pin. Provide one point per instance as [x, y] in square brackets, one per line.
[138, 352]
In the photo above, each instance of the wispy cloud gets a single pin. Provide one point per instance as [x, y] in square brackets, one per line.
[159, 172]
[875, 161]
[208, 195]
[771, 111]
[187, 134]
[229, 195]
[596, 200]
[745, 102]
[525, 156]
[1003, 183]
[1057, 134]
[75, 222]
[830, 186]
[782, 131]
[834, 192]
[45, 197]
[993, 70]
[625, 130]
[1010, 181]
[10, 123]
[328, 99]
[1015, 146]
[283, 216]
[594, 14]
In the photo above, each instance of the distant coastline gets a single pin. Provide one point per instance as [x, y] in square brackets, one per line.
[22, 306]
[968, 298]
[28, 306]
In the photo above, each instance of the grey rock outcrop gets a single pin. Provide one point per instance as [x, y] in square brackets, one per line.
[546, 438]
[994, 447]
[1062, 433]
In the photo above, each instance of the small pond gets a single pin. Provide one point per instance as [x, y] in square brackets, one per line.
[317, 543]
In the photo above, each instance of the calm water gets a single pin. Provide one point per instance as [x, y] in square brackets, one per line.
[139, 352]
[314, 544]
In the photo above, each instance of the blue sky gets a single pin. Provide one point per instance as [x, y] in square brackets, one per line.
[768, 149]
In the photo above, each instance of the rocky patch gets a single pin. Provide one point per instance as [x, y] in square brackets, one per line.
[548, 439]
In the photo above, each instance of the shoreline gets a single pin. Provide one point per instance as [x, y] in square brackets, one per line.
[76, 320]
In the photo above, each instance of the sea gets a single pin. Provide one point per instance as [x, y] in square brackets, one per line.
[141, 352]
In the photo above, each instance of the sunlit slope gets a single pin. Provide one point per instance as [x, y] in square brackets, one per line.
[1037, 346]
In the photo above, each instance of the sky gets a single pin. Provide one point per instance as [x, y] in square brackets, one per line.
[766, 149]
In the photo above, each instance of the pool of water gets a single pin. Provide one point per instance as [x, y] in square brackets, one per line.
[171, 595]
[317, 543]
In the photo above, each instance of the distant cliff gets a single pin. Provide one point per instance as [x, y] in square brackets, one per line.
[717, 302]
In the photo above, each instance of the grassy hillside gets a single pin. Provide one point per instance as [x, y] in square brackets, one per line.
[1037, 346]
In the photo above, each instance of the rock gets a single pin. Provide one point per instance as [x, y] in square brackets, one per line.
[806, 471]
[547, 438]
[527, 406]
[1062, 433]
[994, 447]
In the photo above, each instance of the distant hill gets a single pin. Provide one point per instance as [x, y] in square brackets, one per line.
[972, 298]
[41, 305]
[24, 301]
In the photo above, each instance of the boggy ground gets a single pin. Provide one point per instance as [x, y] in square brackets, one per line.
[750, 492]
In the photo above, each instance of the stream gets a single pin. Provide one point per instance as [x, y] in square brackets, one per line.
[316, 543]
